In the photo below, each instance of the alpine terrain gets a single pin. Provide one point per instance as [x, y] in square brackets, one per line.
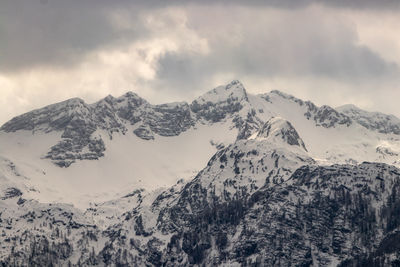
[230, 179]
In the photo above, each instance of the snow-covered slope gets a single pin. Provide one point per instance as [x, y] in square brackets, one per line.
[129, 163]
[124, 144]
[330, 136]
[230, 179]
[279, 131]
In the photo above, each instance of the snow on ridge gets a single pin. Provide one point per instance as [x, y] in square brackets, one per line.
[278, 129]
[377, 121]
[167, 157]
[234, 91]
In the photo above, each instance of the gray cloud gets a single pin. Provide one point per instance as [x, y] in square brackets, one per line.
[59, 33]
[363, 4]
[301, 44]
[54, 49]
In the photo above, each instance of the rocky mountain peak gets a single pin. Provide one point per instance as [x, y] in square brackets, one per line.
[232, 92]
[130, 100]
[235, 84]
[80, 124]
[220, 102]
[52, 117]
[277, 130]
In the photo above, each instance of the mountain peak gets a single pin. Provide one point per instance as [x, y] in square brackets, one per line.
[42, 117]
[278, 129]
[233, 91]
[234, 83]
[347, 107]
[376, 121]
[222, 101]
[130, 94]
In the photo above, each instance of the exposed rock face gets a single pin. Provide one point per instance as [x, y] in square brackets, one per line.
[11, 193]
[68, 150]
[50, 118]
[279, 129]
[324, 116]
[169, 119]
[79, 121]
[75, 119]
[376, 121]
[144, 132]
[220, 102]
[327, 117]
[320, 215]
[248, 125]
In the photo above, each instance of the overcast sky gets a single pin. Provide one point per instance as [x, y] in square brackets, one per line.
[330, 52]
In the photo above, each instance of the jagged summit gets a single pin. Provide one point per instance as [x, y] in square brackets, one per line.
[130, 98]
[78, 122]
[277, 130]
[233, 90]
[220, 102]
[51, 117]
[226, 97]
[86, 130]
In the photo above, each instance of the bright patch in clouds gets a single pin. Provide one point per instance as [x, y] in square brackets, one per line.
[173, 52]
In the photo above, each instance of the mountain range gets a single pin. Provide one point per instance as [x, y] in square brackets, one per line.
[230, 179]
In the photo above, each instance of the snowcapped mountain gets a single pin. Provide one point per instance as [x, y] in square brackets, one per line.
[372, 120]
[229, 179]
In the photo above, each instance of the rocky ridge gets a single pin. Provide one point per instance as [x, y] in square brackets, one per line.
[79, 123]
[383, 123]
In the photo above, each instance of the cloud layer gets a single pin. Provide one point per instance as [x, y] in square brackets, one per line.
[330, 52]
